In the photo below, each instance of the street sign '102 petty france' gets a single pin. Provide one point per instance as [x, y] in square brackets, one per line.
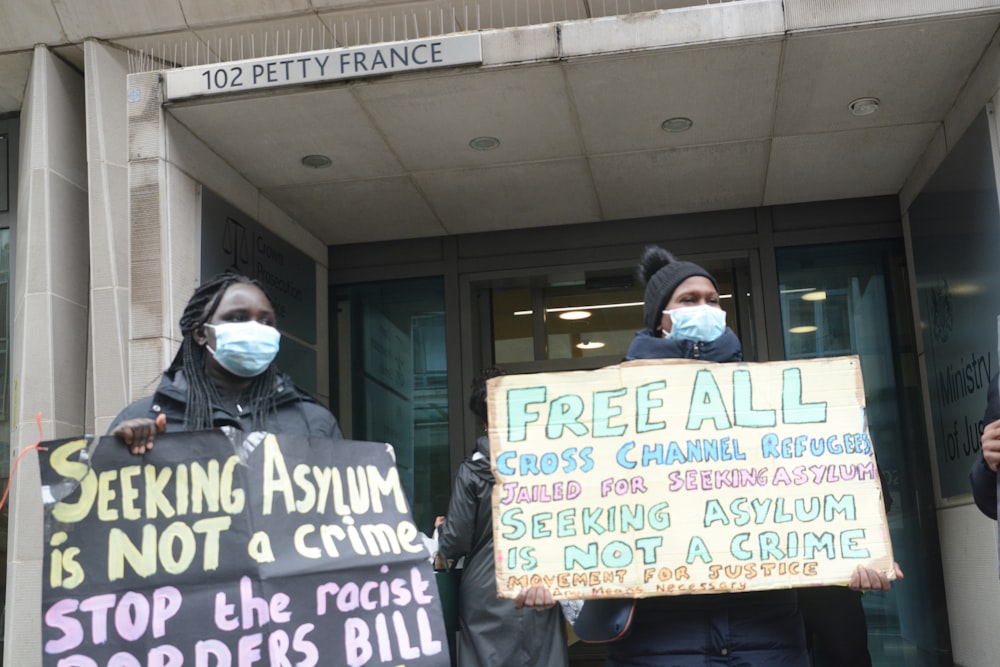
[322, 66]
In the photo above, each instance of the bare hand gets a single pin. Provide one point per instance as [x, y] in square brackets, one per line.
[990, 440]
[867, 579]
[536, 597]
[438, 520]
[139, 434]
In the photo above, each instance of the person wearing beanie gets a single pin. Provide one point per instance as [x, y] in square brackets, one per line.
[681, 311]
[684, 320]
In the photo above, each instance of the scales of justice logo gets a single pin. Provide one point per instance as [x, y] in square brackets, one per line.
[238, 244]
[942, 321]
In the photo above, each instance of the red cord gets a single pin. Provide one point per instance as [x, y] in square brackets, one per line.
[37, 445]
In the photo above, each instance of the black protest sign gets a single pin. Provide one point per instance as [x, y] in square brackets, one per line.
[280, 550]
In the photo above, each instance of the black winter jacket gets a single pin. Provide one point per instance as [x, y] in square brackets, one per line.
[755, 629]
[493, 632]
[297, 412]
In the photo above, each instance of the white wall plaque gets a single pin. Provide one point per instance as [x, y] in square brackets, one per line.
[318, 66]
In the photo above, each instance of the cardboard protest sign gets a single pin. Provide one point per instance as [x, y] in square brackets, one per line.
[278, 550]
[673, 477]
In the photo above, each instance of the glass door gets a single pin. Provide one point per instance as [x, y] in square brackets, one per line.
[583, 320]
[392, 370]
[586, 319]
[851, 299]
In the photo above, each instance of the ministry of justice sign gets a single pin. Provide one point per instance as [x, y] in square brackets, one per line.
[274, 550]
[673, 477]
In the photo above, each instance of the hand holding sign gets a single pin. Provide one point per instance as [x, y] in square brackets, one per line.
[868, 579]
[139, 434]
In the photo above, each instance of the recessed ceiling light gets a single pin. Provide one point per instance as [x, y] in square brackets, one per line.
[316, 161]
[590, 345]
[864, 106]
[574, 315]
[803, 329]
[816, 295]
[677, 124]
[484, 143]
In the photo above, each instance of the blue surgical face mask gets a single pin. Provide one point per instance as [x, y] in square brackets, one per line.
[245, 349]
[702, 323]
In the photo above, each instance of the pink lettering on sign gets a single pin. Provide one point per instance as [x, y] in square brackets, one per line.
[133, 615]
[358, 646]
[281, 650]
[372, 595]
[254, 611]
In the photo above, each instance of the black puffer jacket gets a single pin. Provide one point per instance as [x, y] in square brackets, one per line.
[297, 412]
[756, 629]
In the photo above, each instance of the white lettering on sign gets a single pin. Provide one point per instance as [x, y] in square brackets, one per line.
[318, 66]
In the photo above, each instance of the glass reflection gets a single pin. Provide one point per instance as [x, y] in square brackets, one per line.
[851, 299]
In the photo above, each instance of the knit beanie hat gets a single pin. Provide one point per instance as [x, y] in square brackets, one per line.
[661, 272]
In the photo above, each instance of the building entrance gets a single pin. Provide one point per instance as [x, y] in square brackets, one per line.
[585, 319]
[785, 300]
[832, 300]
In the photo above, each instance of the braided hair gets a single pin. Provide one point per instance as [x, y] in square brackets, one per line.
[201, 391]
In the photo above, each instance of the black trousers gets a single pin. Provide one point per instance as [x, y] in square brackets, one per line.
[836, 631]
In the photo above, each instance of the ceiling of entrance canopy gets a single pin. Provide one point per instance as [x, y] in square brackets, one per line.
[580, 139]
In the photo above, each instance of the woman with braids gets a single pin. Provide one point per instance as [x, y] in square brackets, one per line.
[223, 374]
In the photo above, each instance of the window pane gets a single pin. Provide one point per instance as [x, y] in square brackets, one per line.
[512, 318]
[396, 389]
[582, 322]
[4, 173]
[585, 315]
[846, 300]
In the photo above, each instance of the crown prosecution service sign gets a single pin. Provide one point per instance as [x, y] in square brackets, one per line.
[319, 66]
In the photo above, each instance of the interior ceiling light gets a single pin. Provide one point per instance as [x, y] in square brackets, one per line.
[317, 161]
[864, 106]
[809, 328]
[676, 124]
[484, 143]
[815, 295]
[599, 306]
[966, 289]
[575, 315]
[590, 345]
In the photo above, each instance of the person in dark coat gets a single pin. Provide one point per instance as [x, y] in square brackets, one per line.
[492, 632]
[224, 373]
[684, 320]
[983, 476]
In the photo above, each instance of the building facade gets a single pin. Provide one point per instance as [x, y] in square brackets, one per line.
[425, 188]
